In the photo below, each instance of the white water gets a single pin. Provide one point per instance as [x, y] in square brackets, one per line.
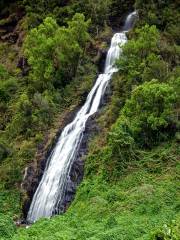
[51, 189]
[130, 20]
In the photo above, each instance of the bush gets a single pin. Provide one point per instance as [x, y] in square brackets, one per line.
[138, 54]
[149, 112]
[167, 232]
[160, 13]
[121, 142]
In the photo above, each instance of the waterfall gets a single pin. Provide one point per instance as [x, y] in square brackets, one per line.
[130, 20]
[51, 190]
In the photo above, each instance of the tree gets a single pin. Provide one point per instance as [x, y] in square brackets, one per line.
[137, 52]
[52, 51]
[38, 48]
[70, 43]
[98, 10]
[149, 114]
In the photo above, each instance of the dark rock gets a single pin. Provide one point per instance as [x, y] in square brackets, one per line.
[10, 38]
[23, 65]
[120, 10]
[101, 59]
[9, 26]
[33, 173]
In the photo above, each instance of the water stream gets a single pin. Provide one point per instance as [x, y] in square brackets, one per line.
[51, 190]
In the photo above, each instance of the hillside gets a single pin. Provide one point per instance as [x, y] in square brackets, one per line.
[51, 52]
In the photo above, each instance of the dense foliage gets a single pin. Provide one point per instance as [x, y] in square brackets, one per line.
[52, 51]
[31, 102]
[130, 187]
[148, 114]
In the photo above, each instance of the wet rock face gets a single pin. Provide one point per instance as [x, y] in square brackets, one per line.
[33, 173]
[102, 60]
[77, 169]
[29, 185]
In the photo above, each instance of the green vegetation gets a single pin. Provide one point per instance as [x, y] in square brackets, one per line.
[37, 10]
[130, 187]
[31, 106]
[7, 228]
[148, 115]
[54, 51]
[138, 205]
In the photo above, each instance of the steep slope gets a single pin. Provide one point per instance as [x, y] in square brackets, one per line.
[130, 187]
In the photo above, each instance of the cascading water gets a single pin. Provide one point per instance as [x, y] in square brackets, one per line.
[51, 190]
[130, 20]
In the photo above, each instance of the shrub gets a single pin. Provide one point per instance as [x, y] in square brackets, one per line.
[149, 112]
[167, 232]
[121, 142]
[138, 55]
